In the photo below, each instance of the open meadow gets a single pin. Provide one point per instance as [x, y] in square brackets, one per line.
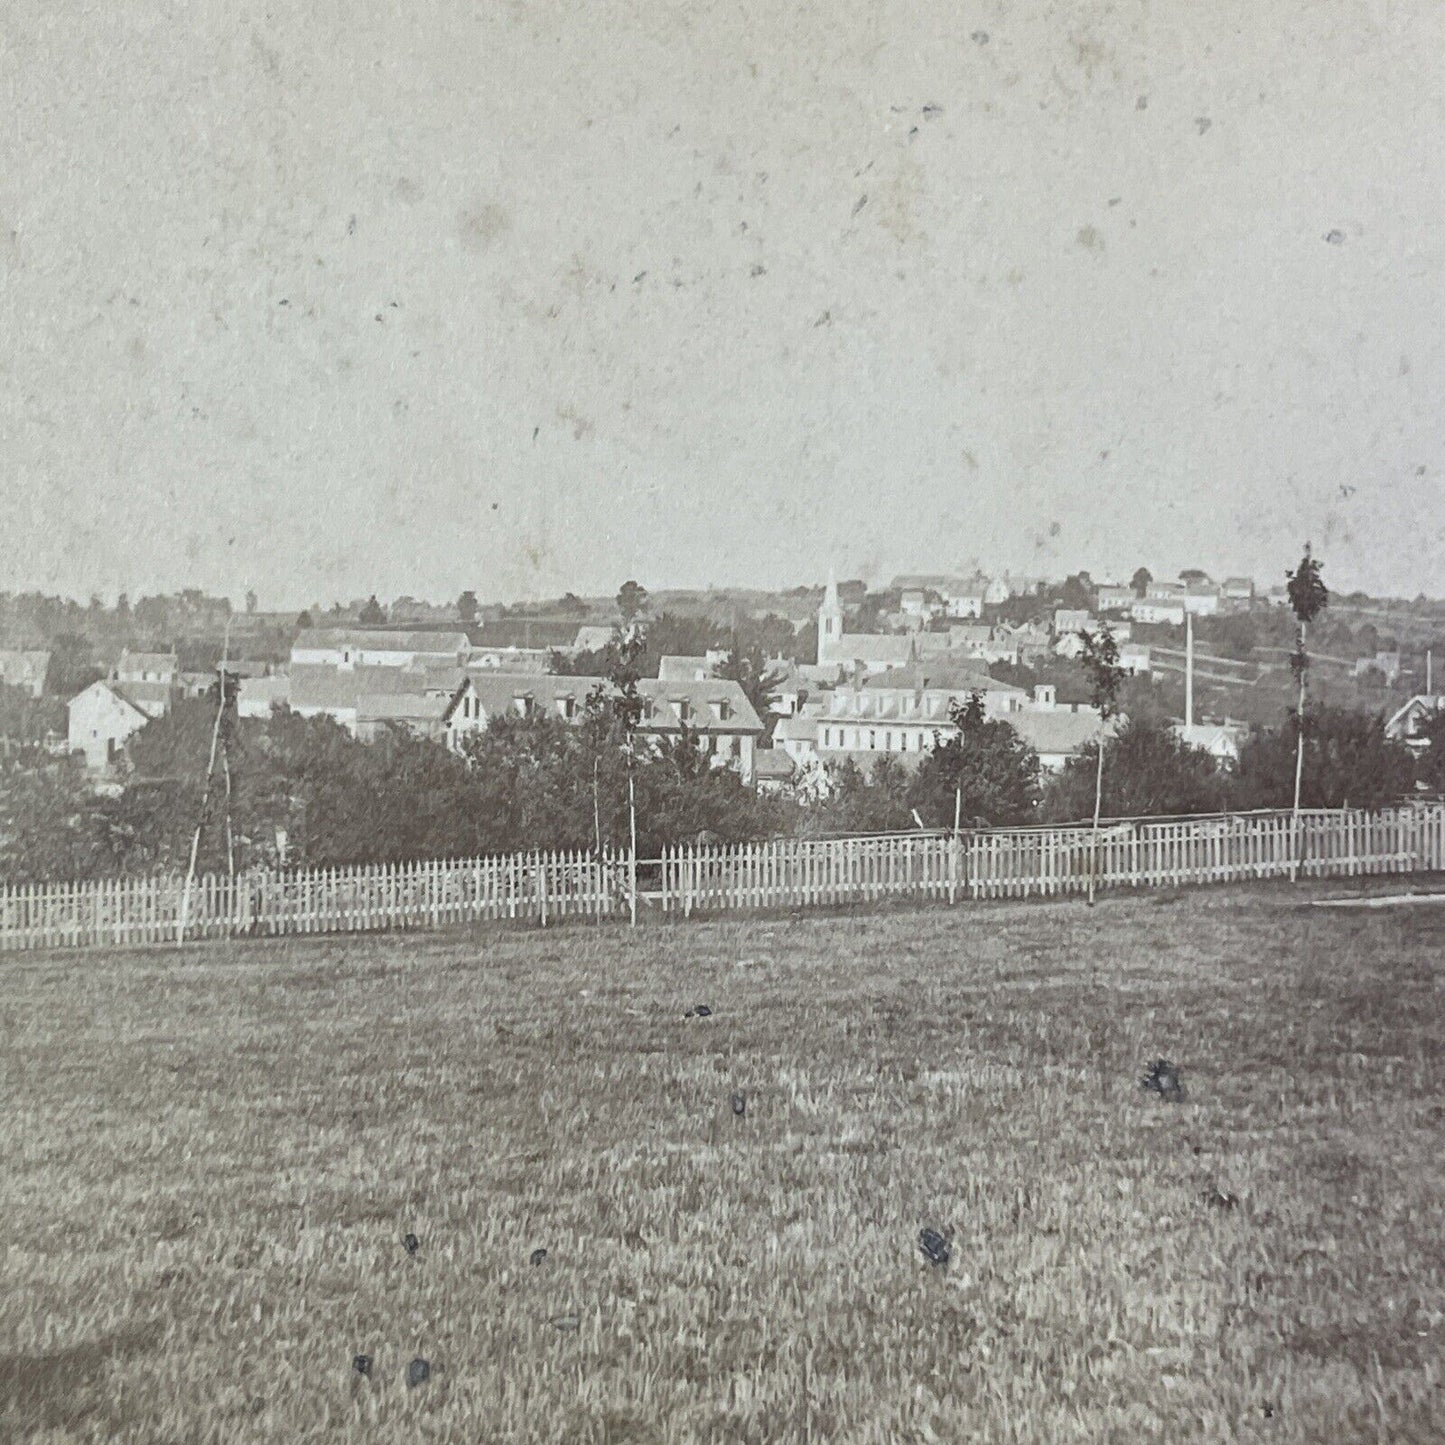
[212, 1157]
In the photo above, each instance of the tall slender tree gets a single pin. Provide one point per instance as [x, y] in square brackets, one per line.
[1308, 596]
[1100, 658]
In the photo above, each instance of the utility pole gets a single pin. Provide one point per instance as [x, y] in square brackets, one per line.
[1188, 671]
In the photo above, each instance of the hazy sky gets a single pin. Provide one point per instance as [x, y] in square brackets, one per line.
[335, 298]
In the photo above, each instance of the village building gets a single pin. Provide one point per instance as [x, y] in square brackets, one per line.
[1221, 741]
[26, 670]
[716, 711]
[104, 716]
[1404, 725]
[1114, 598]
[161, 668]
[1060, 733]
[675, 668]
[351, 647]
[1161, 604]
[1072, 619]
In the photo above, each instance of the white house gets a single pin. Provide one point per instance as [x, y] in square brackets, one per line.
[260, 696]
[348, 647]
[1159, 610]
[1136, 659]
[673, 668]
[24, 670]
[105, 715]
[148, 667]
[1114, 598]
[1405, 723]
[1202, 599]
[716, 710]
[1072, 619]
[1220, 740]
[1059, 733]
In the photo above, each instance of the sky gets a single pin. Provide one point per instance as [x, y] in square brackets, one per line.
[527, 296]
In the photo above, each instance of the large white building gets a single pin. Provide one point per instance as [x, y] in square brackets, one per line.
[349, 647]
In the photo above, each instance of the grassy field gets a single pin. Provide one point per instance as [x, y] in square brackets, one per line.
[211, 1157]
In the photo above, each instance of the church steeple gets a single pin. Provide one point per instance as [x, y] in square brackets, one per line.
[830, 623]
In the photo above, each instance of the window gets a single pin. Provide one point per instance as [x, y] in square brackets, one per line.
[683, 707]
[888, 742]
[872, 739]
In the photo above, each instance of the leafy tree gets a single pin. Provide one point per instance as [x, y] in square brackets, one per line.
[631, 602]
[467, 608]
[251, 601]
[1100, 659]
[747, 667]
[1346, 761]
[1141, 581]
[49, 819]
[858, 802]
[372, 614]
[1152, 772]
[1077, 593]
[1430, 764]
[72, 665]
[303, 621]
[981, 768]
[1308, 597]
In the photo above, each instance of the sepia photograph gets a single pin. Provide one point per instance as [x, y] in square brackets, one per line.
[722, 722]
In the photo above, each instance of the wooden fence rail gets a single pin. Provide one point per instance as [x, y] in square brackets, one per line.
[786, 873]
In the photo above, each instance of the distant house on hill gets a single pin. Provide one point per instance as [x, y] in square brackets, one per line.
[24, 670]
[1386, 663]
[1114, 598]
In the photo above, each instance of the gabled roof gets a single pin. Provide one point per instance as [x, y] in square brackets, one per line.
[148, 661]
[803, 729]
[1058, 731]
[1421, 705]
[592, 638]
[941, 674]
[401, 707]
[871, 647]
[117, 691]
[498, 693]
[317, 685]
[772, 764]
[682, 669]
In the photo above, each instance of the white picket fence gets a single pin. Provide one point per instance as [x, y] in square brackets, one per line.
[542, 888]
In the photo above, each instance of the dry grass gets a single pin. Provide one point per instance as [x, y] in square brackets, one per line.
[211, 1157]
